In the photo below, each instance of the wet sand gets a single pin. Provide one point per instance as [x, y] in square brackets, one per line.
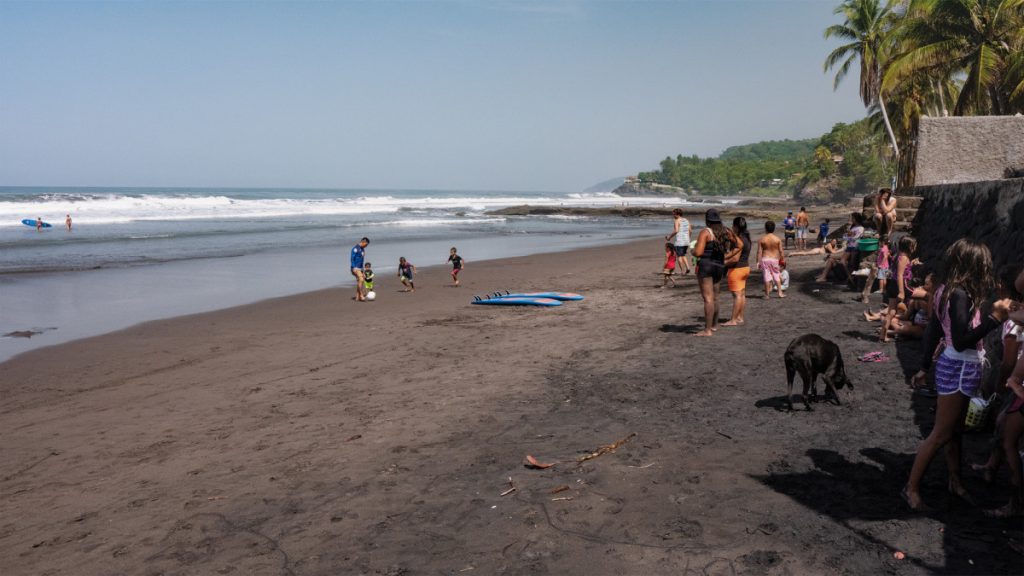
[315, 435]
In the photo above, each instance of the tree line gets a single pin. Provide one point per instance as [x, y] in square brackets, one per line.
[914, 58]
[934, 57]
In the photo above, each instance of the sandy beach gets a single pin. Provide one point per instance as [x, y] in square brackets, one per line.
[315, 435]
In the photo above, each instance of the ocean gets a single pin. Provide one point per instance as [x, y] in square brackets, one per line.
[139, 254]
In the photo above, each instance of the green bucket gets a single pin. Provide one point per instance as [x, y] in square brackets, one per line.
[867, 245]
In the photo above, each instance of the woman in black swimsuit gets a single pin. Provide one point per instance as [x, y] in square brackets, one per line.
[713, 242]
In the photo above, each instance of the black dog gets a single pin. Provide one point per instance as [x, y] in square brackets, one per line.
[811, 355]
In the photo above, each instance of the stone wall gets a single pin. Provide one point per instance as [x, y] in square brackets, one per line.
[992, 212]
[969, 149]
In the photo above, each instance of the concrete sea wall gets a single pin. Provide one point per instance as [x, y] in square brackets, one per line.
[969, 149]
[991, 211]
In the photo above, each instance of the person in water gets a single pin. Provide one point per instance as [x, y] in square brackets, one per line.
[67, 222]
[39, 224]
[405, 272]
[356, 267]
[457, 264]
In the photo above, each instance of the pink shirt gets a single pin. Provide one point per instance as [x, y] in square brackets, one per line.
[883, 257]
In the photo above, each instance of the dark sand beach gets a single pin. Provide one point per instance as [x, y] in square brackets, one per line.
[314, 435]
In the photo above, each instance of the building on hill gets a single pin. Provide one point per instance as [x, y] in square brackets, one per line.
[959, 149]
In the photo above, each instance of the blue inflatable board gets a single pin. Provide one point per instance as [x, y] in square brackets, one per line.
[571, 296]
[526, 301]
[32, 223]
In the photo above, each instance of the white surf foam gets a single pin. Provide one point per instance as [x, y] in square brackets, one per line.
[115, 208]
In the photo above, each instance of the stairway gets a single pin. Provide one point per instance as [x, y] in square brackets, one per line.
[907, 205]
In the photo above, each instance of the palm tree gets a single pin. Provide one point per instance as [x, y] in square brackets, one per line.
[979, 41]
[867, 26]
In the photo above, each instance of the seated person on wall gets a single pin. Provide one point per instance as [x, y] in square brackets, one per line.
[885, 211]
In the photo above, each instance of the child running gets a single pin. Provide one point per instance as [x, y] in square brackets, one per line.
[769, 253]
[457, 264]
[405, 272]
[958, 322]
[670, 265]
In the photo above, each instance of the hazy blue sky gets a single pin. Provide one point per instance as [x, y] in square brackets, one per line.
[464, 95]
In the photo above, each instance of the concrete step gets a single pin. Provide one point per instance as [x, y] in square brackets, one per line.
[909, 202]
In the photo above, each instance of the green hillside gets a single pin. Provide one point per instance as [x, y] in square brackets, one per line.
[771, 150]
[850, 159]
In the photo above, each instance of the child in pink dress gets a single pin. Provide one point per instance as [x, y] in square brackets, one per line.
[670, 265]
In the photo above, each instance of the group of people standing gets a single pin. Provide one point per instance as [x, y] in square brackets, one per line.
[962, 304]
[723, 253]
[969, 301]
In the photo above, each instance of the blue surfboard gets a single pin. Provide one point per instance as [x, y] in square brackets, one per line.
[32, 223]
[518, 302]
[565, 296]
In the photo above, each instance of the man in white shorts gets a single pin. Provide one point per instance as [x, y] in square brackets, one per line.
[803, 223]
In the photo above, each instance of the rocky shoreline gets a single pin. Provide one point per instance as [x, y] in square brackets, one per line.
[758, 211]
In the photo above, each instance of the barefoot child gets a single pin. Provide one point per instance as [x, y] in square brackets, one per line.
[960, 322]
[882, 263]
[769, 253]
[670, 265]
[405, 272]
[368, 277]
[783, 276]
[457, 264]
[898, 289]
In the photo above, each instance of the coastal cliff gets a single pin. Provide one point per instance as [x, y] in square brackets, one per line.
[992, 212]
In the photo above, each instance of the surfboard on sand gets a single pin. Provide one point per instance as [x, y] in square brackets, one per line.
[32, 223]
[565, 296]
[525, 301]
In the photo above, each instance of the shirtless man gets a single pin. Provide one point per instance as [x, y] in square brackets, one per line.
[803, 224]
[769, 252]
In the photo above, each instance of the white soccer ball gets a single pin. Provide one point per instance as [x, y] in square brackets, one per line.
[371, 295]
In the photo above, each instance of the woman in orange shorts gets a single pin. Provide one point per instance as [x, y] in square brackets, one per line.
[737, 271]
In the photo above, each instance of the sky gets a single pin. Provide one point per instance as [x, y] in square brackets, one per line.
[461, 95]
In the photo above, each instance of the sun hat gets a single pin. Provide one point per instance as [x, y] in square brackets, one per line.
[712, 217]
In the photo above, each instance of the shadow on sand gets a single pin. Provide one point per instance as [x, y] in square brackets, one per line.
[847, 491]
[681, 328]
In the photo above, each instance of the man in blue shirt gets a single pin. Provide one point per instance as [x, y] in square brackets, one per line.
[789, 229]
[356, 267]
[823, 232]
